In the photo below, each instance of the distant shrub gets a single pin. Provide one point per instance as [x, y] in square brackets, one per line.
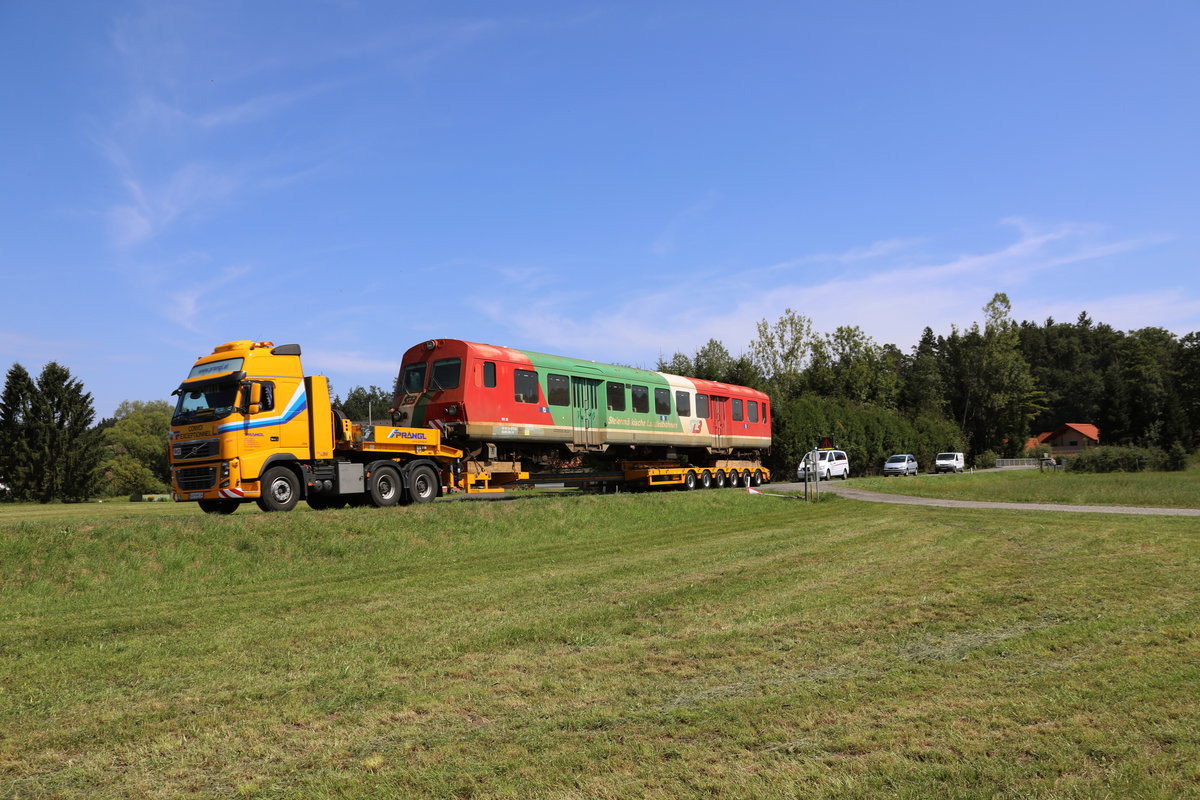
[1119, 459]
[985, 460]
[1177, 458]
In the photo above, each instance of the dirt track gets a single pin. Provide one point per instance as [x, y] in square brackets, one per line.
[908, 500]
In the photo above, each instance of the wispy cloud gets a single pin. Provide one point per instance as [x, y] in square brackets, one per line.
[892, 293]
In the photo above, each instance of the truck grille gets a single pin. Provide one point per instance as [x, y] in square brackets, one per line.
[195, 479]
[198, 448]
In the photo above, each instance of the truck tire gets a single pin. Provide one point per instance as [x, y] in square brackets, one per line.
[423, 484]
[219, 506]
[384, 487]
[706, 480]
[280, 490]
[689, 481]
[720, 482]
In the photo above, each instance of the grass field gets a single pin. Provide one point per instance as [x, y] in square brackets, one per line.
[1148, 489]
[711, 644]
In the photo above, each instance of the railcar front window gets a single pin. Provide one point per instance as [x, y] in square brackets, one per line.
[445, 374]
[414, 378]
[525, 386]
[212, 402]
[616, 396]
[683, 404]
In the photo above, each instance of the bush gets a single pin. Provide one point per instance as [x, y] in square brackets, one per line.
[1119, 459]
[986, 459]
[1177, 458]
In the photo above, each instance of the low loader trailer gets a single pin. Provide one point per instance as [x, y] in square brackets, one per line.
[250, 426]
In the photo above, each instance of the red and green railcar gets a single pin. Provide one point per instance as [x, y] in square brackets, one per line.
[536, 406]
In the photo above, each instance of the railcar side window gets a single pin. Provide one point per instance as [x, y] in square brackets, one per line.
[489, 374]
[702, 406]
[737, 409]
[683, 404]
[765, 413]
[525, 386]
[752, 407]
[445, 374]
[662, 402]
[414, 378]
[558, 389]
[616, 396]
[641, 400]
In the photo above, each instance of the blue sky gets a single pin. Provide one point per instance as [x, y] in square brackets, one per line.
[612, 181]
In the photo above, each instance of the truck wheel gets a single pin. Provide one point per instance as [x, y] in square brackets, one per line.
[689, 481]
[735, 478]
[384, 487]
[706, 480]
[422, 484]
[280, 490]
[720, 479]
[757, 478]
[219, 506]
[746, 478]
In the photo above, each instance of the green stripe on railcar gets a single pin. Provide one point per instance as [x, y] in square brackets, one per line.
[648, 422]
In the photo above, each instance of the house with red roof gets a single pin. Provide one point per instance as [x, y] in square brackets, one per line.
[1069, 440]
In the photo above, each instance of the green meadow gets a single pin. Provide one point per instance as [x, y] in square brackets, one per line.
[1147, 489]
[668, 645]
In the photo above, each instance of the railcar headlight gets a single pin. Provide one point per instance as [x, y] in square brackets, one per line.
[452, 410]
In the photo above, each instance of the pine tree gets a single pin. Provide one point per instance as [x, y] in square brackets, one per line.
[66, 452]
[16, 445]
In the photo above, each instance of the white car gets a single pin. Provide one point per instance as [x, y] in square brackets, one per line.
[949, 462]
[829, 464]
[900, 464]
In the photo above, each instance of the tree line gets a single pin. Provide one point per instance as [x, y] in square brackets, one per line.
[982, 390]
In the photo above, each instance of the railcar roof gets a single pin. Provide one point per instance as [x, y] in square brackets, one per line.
[604, 369]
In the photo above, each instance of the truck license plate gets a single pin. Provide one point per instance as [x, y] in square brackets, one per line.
[195, 495]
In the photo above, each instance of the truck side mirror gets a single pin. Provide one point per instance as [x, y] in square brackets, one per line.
[255, 404]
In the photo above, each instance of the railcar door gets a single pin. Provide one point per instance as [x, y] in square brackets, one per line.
[718, 424]
[585, 394]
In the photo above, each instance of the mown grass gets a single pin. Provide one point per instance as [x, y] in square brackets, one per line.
[1144, 489]
[710, 644]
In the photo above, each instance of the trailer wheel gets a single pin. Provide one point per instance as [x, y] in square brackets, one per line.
[219, 506]
[706, 480]
[734, 478]
[720, 481]
[280, 490]
[689, 481]
[757, 478]
[383, 487]
[422, 484]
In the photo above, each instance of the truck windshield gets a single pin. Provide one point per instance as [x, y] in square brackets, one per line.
[212, 402]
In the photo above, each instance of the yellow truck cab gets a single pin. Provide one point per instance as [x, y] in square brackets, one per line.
[249, 425]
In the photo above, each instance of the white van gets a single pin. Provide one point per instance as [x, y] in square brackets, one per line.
[949, 462]
[830, 464]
